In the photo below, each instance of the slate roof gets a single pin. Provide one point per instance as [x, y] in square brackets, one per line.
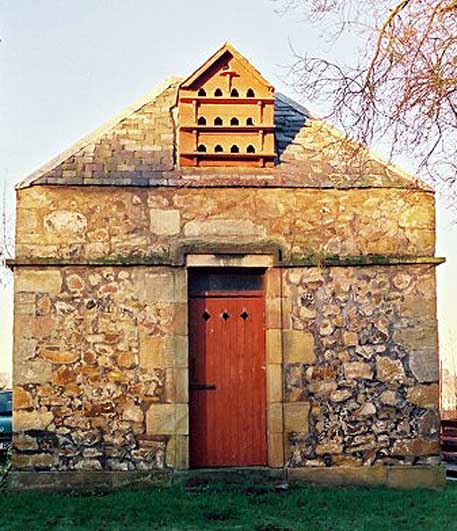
[138, 148]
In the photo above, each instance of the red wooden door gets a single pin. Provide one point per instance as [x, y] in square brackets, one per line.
[227, 380]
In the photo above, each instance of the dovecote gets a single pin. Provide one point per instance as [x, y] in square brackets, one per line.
[226, 114]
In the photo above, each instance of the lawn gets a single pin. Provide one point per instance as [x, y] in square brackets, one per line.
[242, 507]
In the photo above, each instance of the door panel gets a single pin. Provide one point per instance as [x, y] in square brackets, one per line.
[227, 381]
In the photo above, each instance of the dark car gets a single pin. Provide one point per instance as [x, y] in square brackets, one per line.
[6, 421]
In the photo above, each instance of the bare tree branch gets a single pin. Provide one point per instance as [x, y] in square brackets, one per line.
[400, 86]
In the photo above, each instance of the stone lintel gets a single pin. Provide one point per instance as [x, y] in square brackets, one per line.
[234, 259]
[400, 477]
[230, 260]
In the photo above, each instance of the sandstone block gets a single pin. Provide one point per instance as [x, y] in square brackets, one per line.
[22, 399]
[357, 370]
[24, 442]
[43, 281]
[43, 461]
[273, 313]
[275, 418]
[181, 377]
[227, 228]
[424, 365]
[418, 217]
[32, 420]
[425, 396]
[275, 450]
[21, 461]
[33, 461]
[59, 356]
[152, 352]
[35, 371]
[161, 419]
[179, 324]
[24, 303]
[416, 447]
[182, 419]
[158, 287]
[182, 452]
[164, 222]
[416, 477]
[296, 417]
[389, 370]
[273, 282]
[132, 412]
[274, 383]
[180, 285]
[65, 222]
[24, 347]
[167, 419]
[273, 346]
[298, 347]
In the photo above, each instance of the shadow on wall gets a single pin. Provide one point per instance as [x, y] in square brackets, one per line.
[290, 117]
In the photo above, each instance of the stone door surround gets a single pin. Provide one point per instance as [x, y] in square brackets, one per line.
[273, 340]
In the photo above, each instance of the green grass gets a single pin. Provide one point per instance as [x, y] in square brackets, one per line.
[240, 507]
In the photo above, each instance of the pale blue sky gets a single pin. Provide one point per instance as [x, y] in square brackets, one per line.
[67, 66]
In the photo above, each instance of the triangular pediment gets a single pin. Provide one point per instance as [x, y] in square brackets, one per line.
[226, 56]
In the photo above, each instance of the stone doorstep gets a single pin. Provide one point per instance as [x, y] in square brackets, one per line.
[400, 477]
[230, 475]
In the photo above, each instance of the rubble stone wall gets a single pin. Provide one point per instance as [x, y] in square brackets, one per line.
[101, 377]
[367, 391]
[100, 368]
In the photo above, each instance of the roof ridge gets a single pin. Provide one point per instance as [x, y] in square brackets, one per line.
[97, 133]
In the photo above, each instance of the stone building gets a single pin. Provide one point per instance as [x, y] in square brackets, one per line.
[213, 278]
